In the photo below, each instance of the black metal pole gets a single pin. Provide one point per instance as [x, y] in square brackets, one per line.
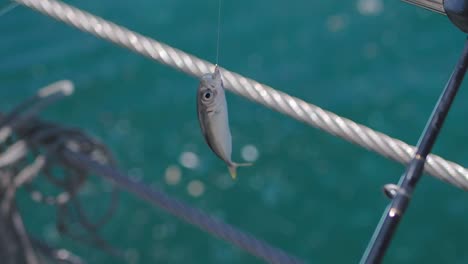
[401, 194]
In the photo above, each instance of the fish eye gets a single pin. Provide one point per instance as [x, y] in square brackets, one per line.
[207, 95]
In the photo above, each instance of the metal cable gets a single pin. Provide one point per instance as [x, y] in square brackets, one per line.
[183, 211]
[433, 5]
[255, 91]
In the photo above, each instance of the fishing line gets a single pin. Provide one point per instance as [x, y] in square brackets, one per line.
[219, 31]
[9, 7]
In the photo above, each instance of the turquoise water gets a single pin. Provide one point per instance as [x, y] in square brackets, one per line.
[382, 64]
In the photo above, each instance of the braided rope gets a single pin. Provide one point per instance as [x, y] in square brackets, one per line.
[79, 155]
[255, 91]
[183, 211]
[433, 5]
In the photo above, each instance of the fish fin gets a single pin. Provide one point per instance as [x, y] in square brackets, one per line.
[233, 168]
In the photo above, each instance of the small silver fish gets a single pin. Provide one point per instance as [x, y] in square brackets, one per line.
[213, 117]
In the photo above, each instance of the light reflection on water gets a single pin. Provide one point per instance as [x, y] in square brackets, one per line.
[196, 188]
[173, 175]
[189, 160]
[249, 153]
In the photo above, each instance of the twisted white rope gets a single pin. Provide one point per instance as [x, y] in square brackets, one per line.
[433, 5]
[257, 92]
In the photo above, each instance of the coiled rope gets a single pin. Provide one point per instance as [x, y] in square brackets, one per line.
[294, 107]
[80, 156]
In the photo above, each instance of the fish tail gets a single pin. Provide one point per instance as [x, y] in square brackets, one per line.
[233, 171]
[233, 168]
